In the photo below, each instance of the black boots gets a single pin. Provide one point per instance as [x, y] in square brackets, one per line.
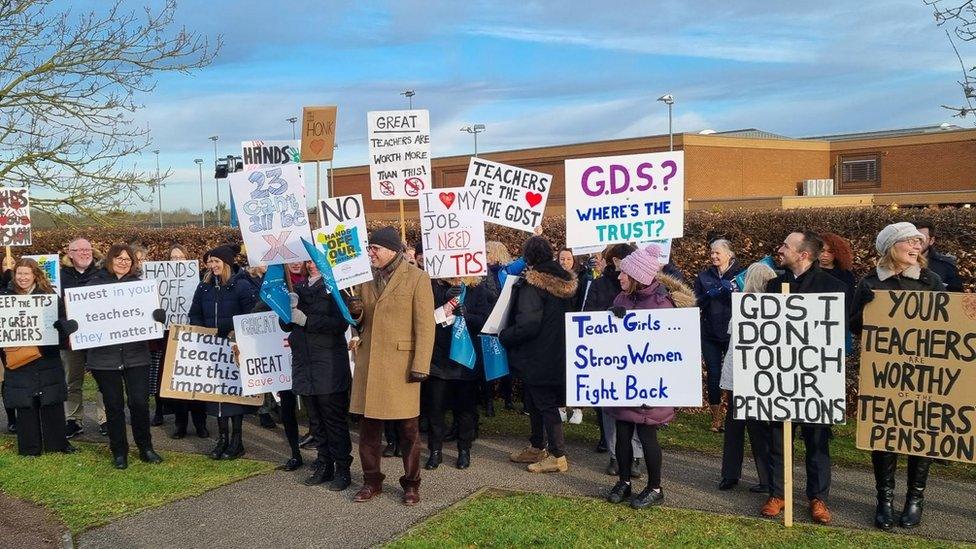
[464, 459]
[324, 472]
[885, 464]
[435, 459]
[918, 475]
[341, 480]
[222, 438]
[235, 448]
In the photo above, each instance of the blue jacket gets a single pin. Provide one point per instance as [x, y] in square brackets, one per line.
[215, 305]
[714, 295]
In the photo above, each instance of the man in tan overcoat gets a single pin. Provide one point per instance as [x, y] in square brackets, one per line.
[396, 326]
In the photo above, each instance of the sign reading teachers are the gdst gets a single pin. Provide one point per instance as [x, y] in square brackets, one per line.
[509, 196]
[630, 198]
[788, 355]
[110, 314]
[648, 357]
[265, 358]
[918, 375]
[399, 153]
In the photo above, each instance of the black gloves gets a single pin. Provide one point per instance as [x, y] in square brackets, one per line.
[417, 377]
[66, 327]
[459, 310]
[355, 305]
[159, 315]
[223, 331]
[868, 297]
[453, 292]
[618, 311]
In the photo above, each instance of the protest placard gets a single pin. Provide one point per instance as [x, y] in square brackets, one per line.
[918, 375]
[510, 196]
[630, 198]
[177, 282]
[318, 133]
[498, 318]
[343, 237]
[201, 366]
[265, 358]
[788, 355]
[28, 320]
[270, 153]
[110, 314]
[649, 357]
[453, 233]
[15, 220]
[270, 203]
[51, 265]
[399, 153]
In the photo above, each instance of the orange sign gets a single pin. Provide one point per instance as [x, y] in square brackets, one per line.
[318, 133]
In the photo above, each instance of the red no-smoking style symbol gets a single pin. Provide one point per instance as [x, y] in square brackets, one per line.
[386, 188]
[412, 186]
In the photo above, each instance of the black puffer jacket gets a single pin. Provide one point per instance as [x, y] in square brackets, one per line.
[536, 337]
[477, 305]
[945, 266]
[215, 305]
[116, 357]
[927, 281]
[320, 359]
[603, 290]
[42, 378]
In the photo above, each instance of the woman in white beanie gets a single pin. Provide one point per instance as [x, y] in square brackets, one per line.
[901, 266]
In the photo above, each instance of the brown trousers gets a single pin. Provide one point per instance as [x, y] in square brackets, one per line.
[371, 453]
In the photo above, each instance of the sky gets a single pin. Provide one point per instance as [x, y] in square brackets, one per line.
[542, 73]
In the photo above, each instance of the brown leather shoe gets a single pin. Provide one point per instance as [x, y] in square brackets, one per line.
[773, 507]
[411, 496]
[367, 492]
[819, 511]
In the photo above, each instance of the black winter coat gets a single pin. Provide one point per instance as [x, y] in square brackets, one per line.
[215, 305]
[477, 307]
[927, 281]
[320, 359]
[602, 291]
[716, 312]
[116, 357]
[945, 267]
[71, 278]
[43, 378]
[813, 281]
[535, 336]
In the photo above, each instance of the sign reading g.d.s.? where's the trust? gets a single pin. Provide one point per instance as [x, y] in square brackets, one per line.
[399, 153]
[509, 196]
[110, 314]
[453, 233]
[649, 357]
[630, 198]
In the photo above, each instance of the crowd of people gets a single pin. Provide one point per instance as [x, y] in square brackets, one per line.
[410, 369]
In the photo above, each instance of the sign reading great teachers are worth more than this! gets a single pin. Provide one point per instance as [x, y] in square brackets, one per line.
[399, 153]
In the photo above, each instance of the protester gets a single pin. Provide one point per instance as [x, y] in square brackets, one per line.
[36, 389]
[568, 261]
[643, 286]
[216, 301]
[902, 265]
[713, 290]
[396, 343]
[941, 264]
[500, 266]
[837, 259]
[536, 343]
[757, 277]
[77, 271]
[798, 255]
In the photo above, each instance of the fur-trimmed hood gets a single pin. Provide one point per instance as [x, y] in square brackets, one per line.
[551, 277]
[681, 293]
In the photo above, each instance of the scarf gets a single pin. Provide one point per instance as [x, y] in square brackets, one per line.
[382, 275]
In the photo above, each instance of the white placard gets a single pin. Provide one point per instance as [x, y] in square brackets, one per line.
[50, 264]
[399, 153]
[649, 357]
[111, 314]
[498, 319]
[453, 233]
[788, 355]
[255, 154]
[629, 198]
[201, 366]
[28, 320]
[664, 256]
[15, 217]
[178, 280]
[343, 237]
[270, 204]
[265, 358]
[509, 196]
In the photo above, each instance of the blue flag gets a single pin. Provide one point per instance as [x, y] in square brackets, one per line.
[462, 348]
[322, 263]
[233, 214]
[740, 279]
[274, 292]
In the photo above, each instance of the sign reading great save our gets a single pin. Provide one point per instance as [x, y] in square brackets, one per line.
[453, 233]
[344, 239]
[630, 198]
[265, 153]
[178, 281]
[15, 220]
[265, 358]
[509, 196]
[28, 320]
[918, 375]
[648, 357]
[788, 355]
[110, 314]
[270, 203]
[201, 366]
[399, 153]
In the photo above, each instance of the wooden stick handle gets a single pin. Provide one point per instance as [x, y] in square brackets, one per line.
[787, 458]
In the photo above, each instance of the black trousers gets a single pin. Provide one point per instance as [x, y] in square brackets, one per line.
[713, 351]
[117, 387]
[331, 413]
[543, 402]
[184, 409]
[816, 439]
[289, 419]
[625, 451]
[733, 446]
[459, 396]
[40, 429]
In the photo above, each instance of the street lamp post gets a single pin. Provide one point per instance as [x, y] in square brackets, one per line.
[409, 95]
[203, 218]
[293, 119]
[669, 100]
[216, 183]
[475, 129]
[159, 189]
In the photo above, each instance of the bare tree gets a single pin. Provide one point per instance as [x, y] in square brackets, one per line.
[958, 18]
[69, 85]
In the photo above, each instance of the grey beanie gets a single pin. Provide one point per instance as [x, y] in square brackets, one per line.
[896, 232]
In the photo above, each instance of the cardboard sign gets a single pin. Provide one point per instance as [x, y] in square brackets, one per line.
[399, 153]
[270, 153]
[200, 366]
[318, 133]
[453, 233]
[111, 314]
[343, 238]
[788, 355]
[51, 265]
[15, 220]
[510, 196]
[28, 320]
[265, 358]
[650, 357]
[918, 375]
[270, 203]
[178, 280]
[630, 198]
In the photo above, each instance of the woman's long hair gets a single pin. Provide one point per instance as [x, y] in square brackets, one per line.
[40, 276]
[841, 248]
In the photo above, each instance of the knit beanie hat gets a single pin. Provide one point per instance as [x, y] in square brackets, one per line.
[896, 232]
[387, 237]
[642, 265]
[224, 253]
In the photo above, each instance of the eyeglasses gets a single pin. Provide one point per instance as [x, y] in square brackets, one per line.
[373, 248]
[121, 259]
[80, 250]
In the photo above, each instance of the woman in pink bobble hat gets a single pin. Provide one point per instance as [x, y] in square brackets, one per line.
[643, 286]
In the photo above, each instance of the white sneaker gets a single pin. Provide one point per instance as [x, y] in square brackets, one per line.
[562, 414]
[576, 417]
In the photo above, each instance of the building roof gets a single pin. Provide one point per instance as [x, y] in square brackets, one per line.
[899, 132]
[748, 133]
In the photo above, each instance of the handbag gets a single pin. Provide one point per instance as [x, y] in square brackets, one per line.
[495, 357]
[19, 356]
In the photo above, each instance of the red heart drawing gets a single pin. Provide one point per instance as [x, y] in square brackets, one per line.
[317, 145]
[447, 199]
[533, 199]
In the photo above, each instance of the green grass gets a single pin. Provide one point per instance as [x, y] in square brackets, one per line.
[501, 519]
[689, 431]
[84, 490]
